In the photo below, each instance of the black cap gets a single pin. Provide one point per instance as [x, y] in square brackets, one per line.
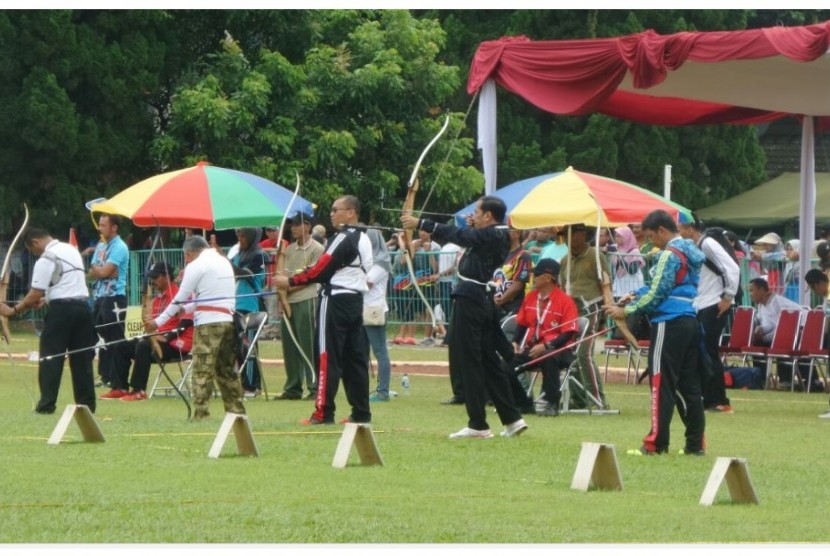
[158, 269]
[546, 266]
[578, 228]
[300, 216]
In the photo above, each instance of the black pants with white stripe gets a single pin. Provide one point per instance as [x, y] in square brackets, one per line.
[675, 378]
[343, 349]
[473, 344]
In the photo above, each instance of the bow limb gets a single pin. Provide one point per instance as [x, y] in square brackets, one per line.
[622, 325]
[4, 274]
[282, 295]
[408, 206]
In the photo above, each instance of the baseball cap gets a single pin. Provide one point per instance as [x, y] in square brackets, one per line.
[159, 269]
[546, 266]
[305, 217]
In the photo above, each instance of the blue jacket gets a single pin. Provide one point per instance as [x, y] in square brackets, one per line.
[666, 299]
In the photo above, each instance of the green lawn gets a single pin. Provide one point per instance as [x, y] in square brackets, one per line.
[153, 482]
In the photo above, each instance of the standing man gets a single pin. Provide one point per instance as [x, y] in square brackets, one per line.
[580, 280]
[673, 364]
[720, 278]
[301, 254]
[342, 345]
[208, 275]
[475, 317]
[108, 272]
[58, 280]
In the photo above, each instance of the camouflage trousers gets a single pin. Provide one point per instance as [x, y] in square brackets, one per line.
[214, 358]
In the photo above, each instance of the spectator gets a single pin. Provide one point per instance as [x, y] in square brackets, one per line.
[269, 247]
[447, 263]
[791, 272]
[559, 247]
[768, 307]
[580, 278]
[426, 271]
[318, 234]
[604, 242]
[627, 264]
[513, 276]
[374, 313]
[538, 242]
[769, 252]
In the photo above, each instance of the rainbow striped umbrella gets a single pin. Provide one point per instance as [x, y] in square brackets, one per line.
[204, 196]
[574, 197]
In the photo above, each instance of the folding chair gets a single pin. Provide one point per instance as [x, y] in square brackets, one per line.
[783, 344]
[180, 383]
[256, 322]
[811, 347]
[633, 357]
[740, 335]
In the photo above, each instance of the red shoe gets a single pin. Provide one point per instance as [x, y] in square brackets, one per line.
[316, 421]
[410, 341]
[135, 396]
[398, 341]
[114, 394]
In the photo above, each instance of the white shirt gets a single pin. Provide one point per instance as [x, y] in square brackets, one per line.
[62, 264]
[767, 315]
[378, 278]
[711, 287]
[447, 261]
[210, 275]
[353, 277]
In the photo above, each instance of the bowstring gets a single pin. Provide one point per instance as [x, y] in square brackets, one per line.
[449, 152]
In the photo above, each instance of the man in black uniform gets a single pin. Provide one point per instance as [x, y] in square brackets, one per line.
[58, 280]
[341, 344]
[475, 317]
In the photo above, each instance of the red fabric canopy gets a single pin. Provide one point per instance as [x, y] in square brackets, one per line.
[576, 77]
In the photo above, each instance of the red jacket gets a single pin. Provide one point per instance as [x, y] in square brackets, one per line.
[184, 341]
[557, 313]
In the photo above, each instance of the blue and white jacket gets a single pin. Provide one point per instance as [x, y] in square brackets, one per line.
[673, 285]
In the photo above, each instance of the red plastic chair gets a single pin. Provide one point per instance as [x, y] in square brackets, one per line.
[783, 343]
[811, 346]
[740, 336]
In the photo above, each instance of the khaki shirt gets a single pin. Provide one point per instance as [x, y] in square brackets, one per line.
[584, 280]
[297, 259]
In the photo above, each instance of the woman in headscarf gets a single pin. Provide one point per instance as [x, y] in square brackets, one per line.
[249, 269]
[374, 312]
[627, 262]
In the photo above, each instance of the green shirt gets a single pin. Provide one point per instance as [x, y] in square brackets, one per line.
[583, 276]
[297, 259]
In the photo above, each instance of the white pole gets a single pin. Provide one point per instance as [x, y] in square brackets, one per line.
[667, 181]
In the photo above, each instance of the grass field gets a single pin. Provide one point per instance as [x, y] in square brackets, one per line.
[153, 482]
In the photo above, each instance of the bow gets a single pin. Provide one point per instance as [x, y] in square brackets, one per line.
[282, 295]
[147, 301]
[408, 206]
[622, 325]
[4, 274]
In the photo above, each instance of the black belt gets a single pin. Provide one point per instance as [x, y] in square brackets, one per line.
[70, 301]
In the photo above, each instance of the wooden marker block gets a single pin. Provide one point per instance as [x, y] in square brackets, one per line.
[597, 466]
[241, 427]
[360, 435]
[86, 422]
[736, 473]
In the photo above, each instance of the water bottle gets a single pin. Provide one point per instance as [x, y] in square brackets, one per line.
[405, 384]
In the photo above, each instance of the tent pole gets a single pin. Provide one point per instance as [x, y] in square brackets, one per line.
[807, 211]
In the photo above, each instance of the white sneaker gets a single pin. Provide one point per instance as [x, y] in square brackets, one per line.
[825, 415]
[467, 432]
[514, 429]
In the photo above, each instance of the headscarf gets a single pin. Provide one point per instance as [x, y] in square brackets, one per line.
[253, 235]
[380, 254]
[627, 244]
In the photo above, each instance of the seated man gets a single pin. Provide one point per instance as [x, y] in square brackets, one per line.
[173, 345]
[767, 312]
[546, 320]
[820, 285]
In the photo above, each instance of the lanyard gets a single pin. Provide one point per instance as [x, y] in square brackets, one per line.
[540, 319]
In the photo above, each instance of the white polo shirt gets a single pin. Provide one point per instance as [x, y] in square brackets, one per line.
[209, 276]
[59, 272]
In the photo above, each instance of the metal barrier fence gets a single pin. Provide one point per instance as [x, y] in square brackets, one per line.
[405, 307]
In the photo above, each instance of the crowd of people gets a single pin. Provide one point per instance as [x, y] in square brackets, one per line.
[461, 284]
